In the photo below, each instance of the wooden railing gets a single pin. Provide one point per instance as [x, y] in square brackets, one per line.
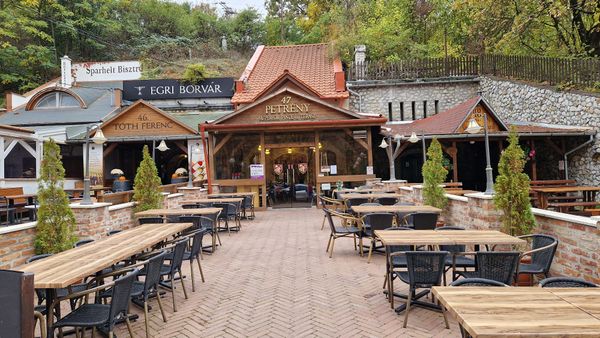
[578, 72]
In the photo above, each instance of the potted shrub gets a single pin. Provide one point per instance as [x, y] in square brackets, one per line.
[55, 230]
[434, 175]
[512, 193]
[146, 185]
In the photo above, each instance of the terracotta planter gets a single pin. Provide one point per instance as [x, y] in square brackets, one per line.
[440, 224]
[525, 279]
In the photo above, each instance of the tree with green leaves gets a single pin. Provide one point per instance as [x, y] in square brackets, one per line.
[195, 73]
[55, 230]
[512, 190]
[434, 175]
[146, 186]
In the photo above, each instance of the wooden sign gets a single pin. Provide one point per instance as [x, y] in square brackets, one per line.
[142, 119]
[287, 110]
[478, 114]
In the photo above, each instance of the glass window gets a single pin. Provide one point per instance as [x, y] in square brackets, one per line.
[343, 150]
[57, 100]
[19, 163]
[233, 160]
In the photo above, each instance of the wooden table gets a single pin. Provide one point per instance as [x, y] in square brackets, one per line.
[12, 207]
[523, 311]
[372, 196]
[214, 200]
[588, 192]
[71, 266]
[433, 237]
[364, 209]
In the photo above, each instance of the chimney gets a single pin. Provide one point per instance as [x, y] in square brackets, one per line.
[66, 78]
[8, 102]
[339, 76]
[118, 97]
[239, 86]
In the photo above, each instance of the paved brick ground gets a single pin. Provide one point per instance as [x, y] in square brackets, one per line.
[275, 279]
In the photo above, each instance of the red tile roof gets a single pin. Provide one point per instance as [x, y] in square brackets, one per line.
[309, 64]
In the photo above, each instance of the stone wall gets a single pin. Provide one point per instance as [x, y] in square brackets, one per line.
[516, 101]
[375, 96]
[578, 252]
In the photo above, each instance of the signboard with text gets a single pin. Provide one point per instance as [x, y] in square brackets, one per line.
[107, 71]
[175, 89]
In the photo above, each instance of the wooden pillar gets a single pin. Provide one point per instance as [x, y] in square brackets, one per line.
[2, 157]
[533, 161]
[263, 160]
[211, 156]
[317, 165]
[454, 162]
[370, 150]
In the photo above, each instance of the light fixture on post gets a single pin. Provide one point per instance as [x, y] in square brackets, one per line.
[387, 143]
[98, 139]
[414, 139]
[473, 128]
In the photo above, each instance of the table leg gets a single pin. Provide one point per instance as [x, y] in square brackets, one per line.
[543, 200]
[50, 296]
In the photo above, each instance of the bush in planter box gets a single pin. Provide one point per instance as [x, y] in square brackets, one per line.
[434, 174]
[146, 186]
[512, 190]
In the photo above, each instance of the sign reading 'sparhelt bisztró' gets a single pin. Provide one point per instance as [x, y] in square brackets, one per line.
[175, 89]
[107, 71]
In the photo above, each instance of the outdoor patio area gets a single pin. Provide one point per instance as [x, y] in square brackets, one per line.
[274, 279]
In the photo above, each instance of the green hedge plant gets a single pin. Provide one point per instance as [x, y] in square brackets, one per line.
[146, 186]
[434, 175]
[512, 190]
[55, 230]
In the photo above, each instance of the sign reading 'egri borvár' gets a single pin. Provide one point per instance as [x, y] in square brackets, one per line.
[175, 89]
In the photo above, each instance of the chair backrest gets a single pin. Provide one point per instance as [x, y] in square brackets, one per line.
[328, 215]
[451, 248]
[425, 268]
[113, 232]
[121, 293]
[82, 242]
[153, 271]
[192, 206]
[566, 282]
[476, 282]
[396, 248]
[209, 221]
[387, 200]
[405, 203]
[196, 244]
[544, 257]
[150, 220]
[371, 204]
[352, 202]
[178, 252]
[36, 257]
[422, 220]
[248, 202]
[378, 221]
[497, 265]
[224, 211]
[233, 208]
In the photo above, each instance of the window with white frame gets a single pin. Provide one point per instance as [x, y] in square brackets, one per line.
[57, 100]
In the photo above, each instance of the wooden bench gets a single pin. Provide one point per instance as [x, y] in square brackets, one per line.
[19, 202]
[551, 183]
[592, 212]
[564, 206]
[451, 185]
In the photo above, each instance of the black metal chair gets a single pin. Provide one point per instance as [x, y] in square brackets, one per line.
[223, 216]
[566, 282]
[372, 222]
[150, 220]
[341, 231]
[396, 262]
[421, 220]
[387, 200]
[82, 242]
[455, 260]
[209, 223]
[142, 291]
[476, 282]
[101, 315]
[495, 265]
[194, 254]
[248, 205]
[543, 248]
[169, 270]
[113, 232]
[424, 270]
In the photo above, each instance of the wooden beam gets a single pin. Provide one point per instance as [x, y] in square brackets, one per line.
[533, 161]
[10, 147]
[221, 144]
[317, 165]
[182, 147]
[554, 146]
[454, 155]
[359, 141]
[111, 147]
[289, 145]
[211, 156]
[369, 148]
[27, 147]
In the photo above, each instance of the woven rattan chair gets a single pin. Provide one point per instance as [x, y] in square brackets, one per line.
[208, 223]
[566, 282]
[396, 262]
[372, 222]
[421, 220]
[82, 242]
[196, 205]
[113, 232]
[543, 248]
[169, 270]
[424, 270]
[342, 231]
[331, 204]
[194, 252]
[387, 200]
[142, 291]
[150, 220]
[101, 315]
[248, 206]
[455, 260]
[352, 202]
[224, 216]
[495, 265]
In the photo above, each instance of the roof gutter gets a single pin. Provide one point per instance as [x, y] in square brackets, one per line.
[574, 150]
[323, 123]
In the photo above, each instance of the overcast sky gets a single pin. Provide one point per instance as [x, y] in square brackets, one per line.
[235, 4]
